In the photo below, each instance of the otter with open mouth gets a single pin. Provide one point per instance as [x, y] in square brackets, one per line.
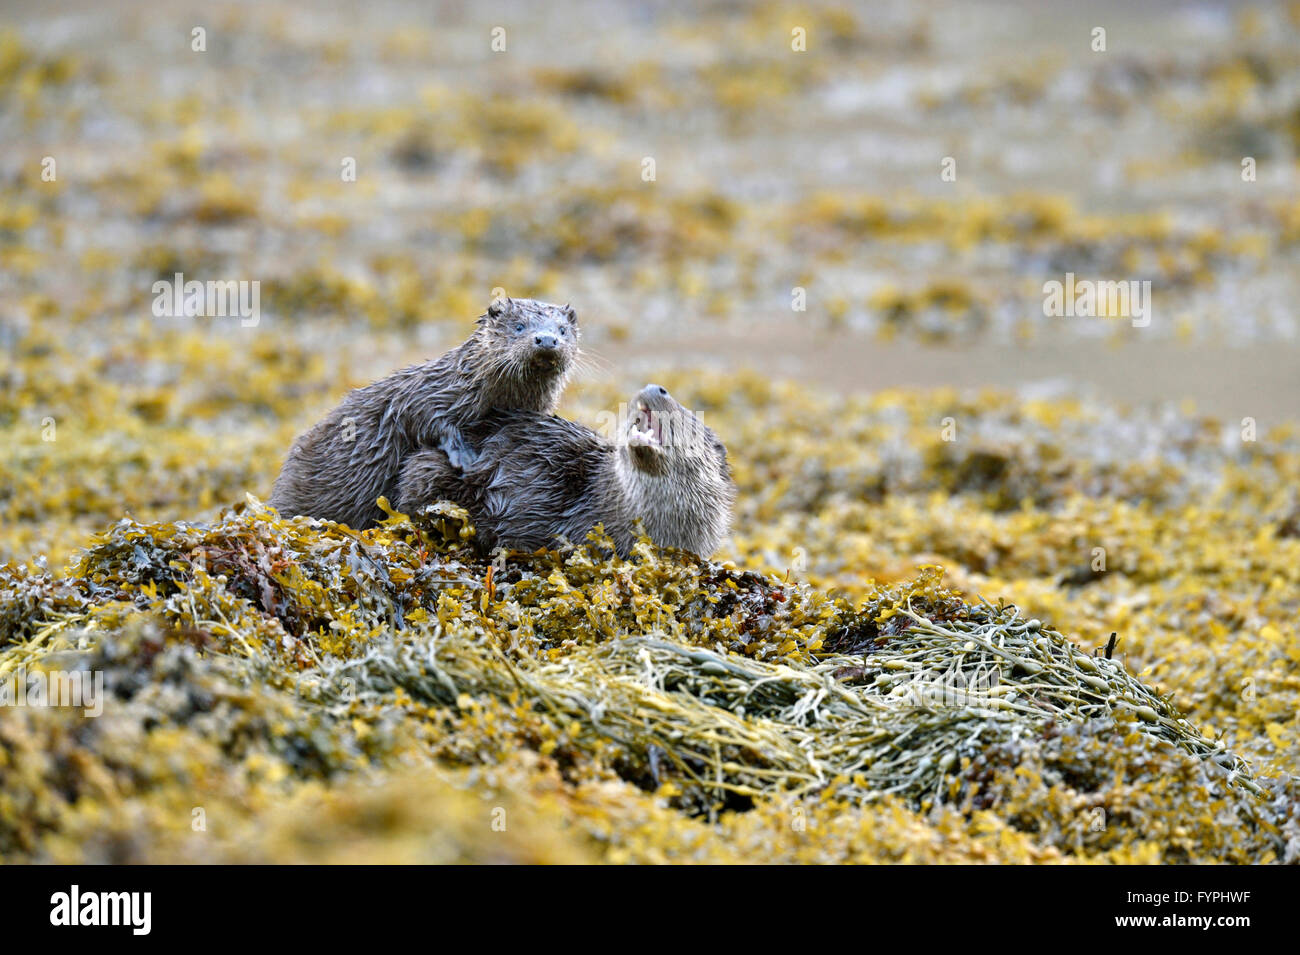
[518, 358]
[539, 477]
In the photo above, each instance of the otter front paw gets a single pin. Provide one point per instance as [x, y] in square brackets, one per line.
[460, 454]
[460, 459]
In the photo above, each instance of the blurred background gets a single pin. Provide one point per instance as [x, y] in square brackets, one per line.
[704, 193]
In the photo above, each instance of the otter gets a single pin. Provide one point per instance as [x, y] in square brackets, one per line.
[539, 477]
[518, 358]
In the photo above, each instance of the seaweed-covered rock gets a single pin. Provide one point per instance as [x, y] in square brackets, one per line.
[258, 656]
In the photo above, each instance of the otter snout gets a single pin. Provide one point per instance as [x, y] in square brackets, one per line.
[549, 348]
[552, 338]
[656, 397]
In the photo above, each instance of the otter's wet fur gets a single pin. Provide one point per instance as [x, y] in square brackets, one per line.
[540, 477]
[518, 358]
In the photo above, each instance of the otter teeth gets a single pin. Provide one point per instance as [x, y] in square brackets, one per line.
[639, 436]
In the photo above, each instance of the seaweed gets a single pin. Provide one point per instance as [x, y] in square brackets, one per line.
[300, 652]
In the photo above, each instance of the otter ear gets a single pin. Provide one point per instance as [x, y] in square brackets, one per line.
[570, 314]
[498, 307]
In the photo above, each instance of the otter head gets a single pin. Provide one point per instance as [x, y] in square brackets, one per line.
[676, 472]
[527, 345]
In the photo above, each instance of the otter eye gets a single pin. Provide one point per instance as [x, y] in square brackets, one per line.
[519, 327]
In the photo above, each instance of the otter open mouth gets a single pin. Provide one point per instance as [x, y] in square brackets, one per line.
[645, 430]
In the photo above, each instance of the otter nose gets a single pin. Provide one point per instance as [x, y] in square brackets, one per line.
[546, 341]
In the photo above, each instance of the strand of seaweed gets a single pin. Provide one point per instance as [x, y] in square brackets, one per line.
[750, 728]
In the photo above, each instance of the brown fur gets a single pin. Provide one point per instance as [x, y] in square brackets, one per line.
[539, 477]
[518, 358]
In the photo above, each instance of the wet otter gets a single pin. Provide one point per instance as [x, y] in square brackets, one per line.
[538, 477]
[518, 358]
